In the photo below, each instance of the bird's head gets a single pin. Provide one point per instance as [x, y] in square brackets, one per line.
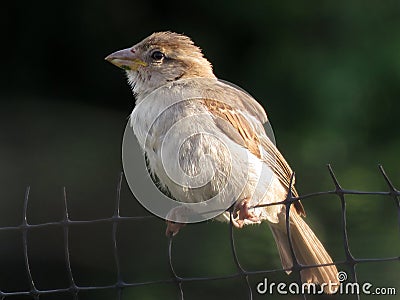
[161, 58]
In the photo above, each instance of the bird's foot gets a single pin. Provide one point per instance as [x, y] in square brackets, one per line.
[176, 219]
[243, 214]
[173, 228]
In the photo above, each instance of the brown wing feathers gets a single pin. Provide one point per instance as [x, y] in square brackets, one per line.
[251, 141]
[241, 125]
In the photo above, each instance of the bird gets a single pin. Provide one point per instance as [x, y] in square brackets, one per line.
[229, 132]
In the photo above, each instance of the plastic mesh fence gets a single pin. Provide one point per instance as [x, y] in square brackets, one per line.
[120, 285]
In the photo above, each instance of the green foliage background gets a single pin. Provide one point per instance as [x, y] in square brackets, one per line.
[327, 73]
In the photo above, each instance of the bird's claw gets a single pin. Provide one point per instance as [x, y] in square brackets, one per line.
[244, 215]
[179, 216]
[173, 228]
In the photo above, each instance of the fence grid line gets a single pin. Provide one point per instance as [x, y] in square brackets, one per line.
[120, 285]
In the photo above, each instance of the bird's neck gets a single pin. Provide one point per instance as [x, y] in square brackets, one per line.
[141, 91]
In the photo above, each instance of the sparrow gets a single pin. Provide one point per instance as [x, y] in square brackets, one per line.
[229, 139]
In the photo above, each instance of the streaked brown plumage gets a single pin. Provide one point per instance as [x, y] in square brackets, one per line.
[164, 58]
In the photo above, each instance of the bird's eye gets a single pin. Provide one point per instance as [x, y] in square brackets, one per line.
[157, 55]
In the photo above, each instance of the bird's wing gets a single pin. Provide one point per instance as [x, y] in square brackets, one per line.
[244, 126]
[236, 97]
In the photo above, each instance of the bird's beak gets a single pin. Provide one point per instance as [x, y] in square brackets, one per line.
[126, 59]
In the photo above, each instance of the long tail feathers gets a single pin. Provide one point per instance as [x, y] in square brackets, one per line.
[308, 250]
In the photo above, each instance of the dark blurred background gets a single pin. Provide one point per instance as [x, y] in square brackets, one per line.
[327, 73]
